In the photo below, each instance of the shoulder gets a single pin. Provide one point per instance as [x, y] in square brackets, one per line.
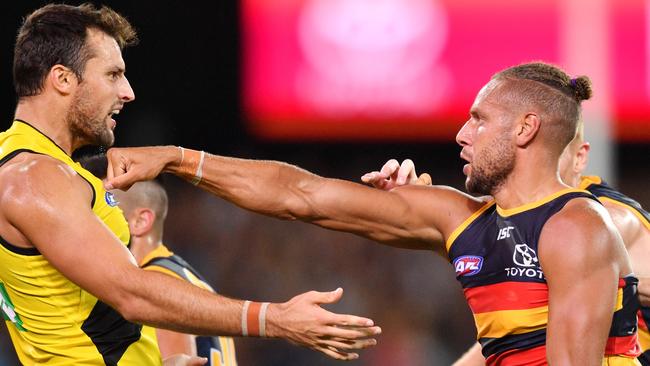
[579, 217]
[621, 213]
[34, 179]
[583, 231]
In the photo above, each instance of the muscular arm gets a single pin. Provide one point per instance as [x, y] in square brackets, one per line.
[45, 193]
[583, 257]
[412, 216]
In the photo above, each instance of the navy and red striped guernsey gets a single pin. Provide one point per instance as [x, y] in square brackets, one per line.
[606, 193]
[494, 253]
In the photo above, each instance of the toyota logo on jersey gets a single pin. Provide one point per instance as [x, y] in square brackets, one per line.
[468, 265]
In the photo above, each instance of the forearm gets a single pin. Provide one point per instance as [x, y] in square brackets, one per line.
[268, 187]
[165, 302]
[400, 218]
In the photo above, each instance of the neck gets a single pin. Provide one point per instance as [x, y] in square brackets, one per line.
[530, 181]
[141, 246]
[49, 118]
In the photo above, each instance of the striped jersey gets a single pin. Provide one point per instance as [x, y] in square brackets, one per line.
[494, 253]
[220, 351]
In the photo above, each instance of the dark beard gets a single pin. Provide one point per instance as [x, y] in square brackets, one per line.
[85, 126]
[495, 168]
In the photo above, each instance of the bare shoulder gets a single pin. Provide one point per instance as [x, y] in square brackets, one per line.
[33, 180]
[584, 232]
[624, 218]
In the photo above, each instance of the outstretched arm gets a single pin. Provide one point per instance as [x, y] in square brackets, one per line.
[583, 257]
[412, 217]
[41, 192]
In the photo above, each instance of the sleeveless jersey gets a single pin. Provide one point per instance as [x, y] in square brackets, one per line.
[220, 351]
[604, 192]
[50, 319]
[494, 253]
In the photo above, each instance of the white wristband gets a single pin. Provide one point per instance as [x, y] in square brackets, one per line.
[199, 170]
[244, 322]
[265, 305]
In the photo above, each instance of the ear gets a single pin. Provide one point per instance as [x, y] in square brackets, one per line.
[142, 221]
[527, 129]
[582, 158]
[62, 79]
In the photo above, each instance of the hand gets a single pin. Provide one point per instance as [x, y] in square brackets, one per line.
[302, 321]
[393, 175]
[127, 166]
[184, 360]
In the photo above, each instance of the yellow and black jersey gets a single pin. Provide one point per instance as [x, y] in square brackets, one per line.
[220, 351]
[50, 319]
[606, 193]
[494, 253]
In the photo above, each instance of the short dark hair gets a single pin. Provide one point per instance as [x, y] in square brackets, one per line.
[56, 34]
[553, 91]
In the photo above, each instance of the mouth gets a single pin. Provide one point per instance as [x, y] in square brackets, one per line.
[467, 168]
[112, 113]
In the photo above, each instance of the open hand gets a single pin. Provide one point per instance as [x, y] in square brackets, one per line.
[302, 321]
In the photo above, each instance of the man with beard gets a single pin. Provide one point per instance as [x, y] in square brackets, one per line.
[519, 124]
[70, 290]
[631, 220]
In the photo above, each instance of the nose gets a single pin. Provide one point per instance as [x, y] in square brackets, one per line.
[463, 136]
[126, 92]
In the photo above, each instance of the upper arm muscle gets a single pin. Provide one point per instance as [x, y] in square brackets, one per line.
[49, 204]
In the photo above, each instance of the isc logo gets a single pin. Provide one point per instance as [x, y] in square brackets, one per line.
[505, 232]
[468, 265]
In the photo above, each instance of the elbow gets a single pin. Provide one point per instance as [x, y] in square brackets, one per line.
[128, 301]
[128, 309]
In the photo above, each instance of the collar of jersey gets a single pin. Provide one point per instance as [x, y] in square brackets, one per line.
[529, 206]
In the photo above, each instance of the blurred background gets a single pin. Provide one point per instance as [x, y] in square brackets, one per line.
[338, 87]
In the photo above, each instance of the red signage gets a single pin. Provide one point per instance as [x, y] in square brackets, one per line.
[408, 69]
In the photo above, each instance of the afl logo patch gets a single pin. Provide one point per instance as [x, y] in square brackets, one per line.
[110, 199]
[468, 265]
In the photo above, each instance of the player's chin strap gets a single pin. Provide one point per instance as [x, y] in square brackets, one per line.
[253, 319]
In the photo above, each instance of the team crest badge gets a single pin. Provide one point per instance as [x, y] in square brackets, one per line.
[110, 199]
